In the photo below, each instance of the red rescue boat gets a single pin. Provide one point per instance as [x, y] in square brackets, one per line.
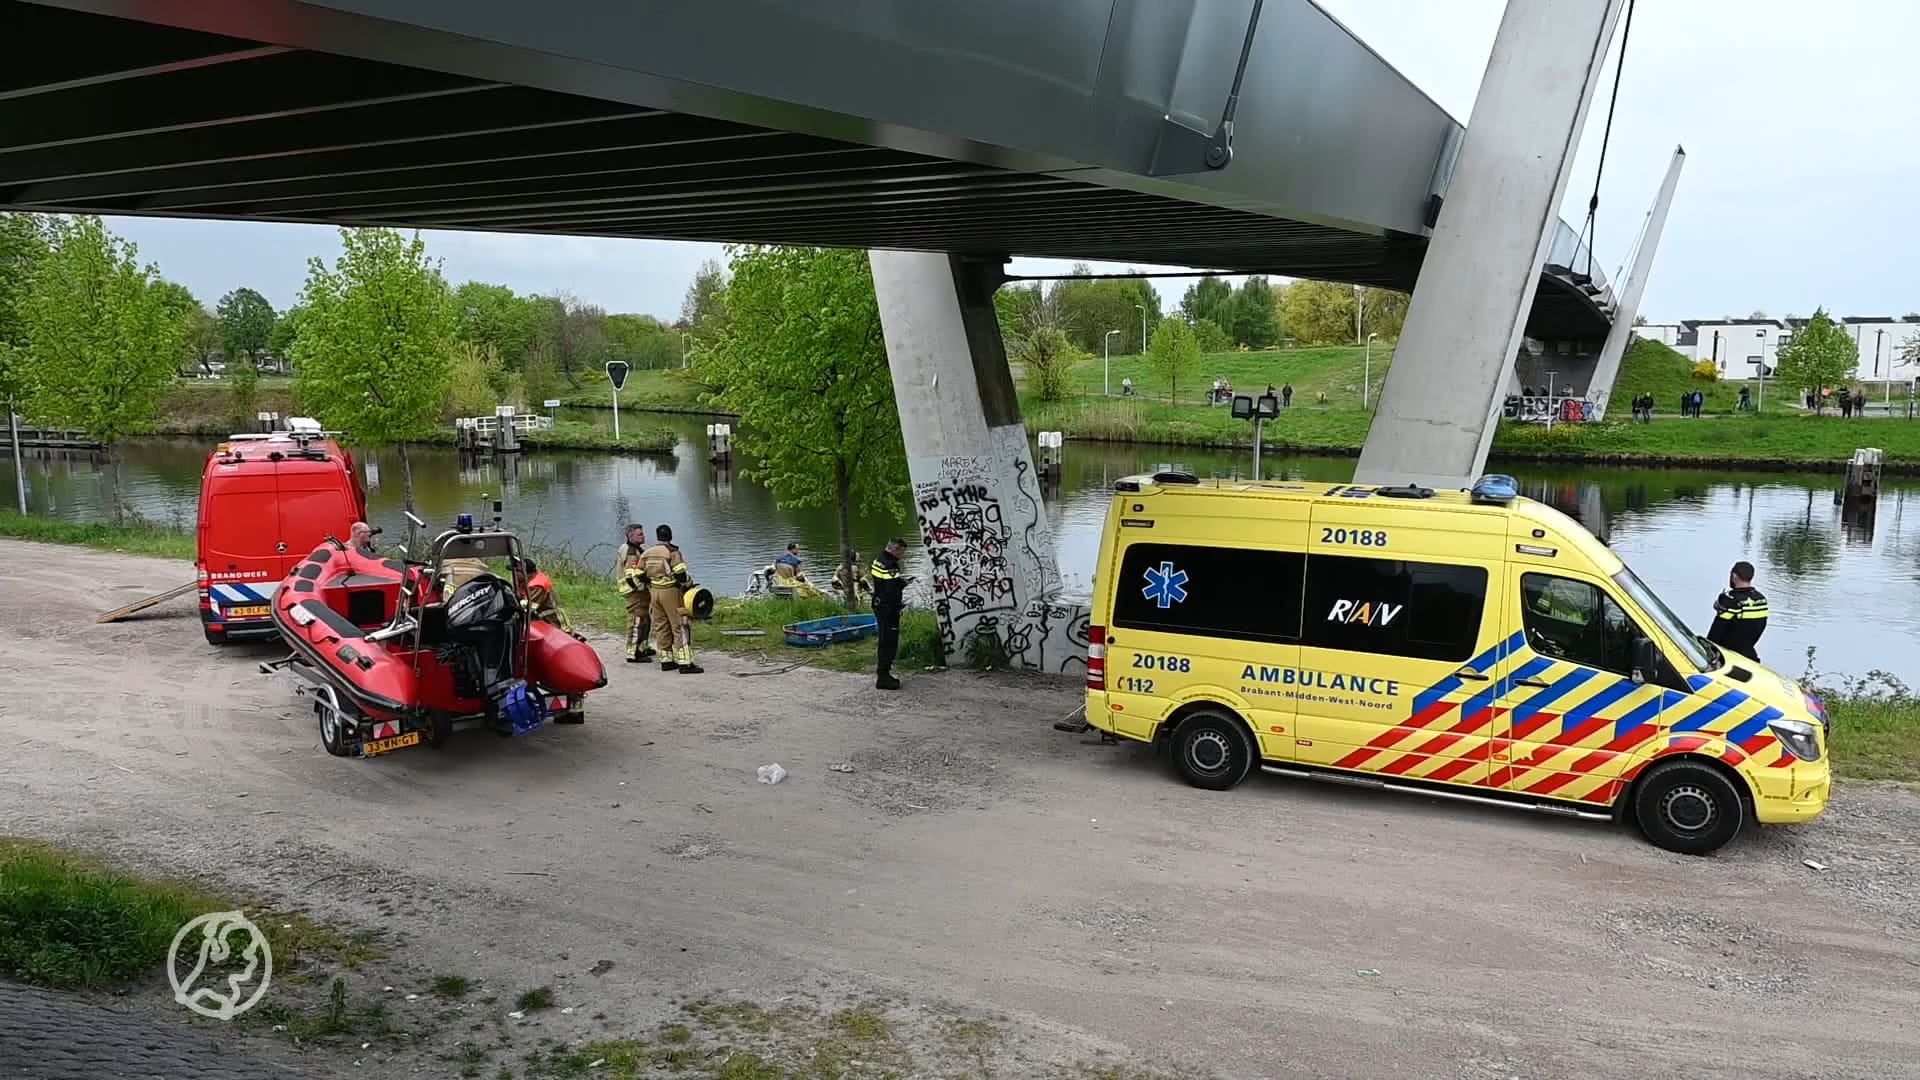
[394, 653]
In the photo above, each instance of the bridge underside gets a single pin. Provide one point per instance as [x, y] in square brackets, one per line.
[108, 115]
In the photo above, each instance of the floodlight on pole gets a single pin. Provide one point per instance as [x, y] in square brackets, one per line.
[1106, 363]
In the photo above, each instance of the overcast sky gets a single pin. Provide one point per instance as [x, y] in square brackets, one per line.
[1802, 183]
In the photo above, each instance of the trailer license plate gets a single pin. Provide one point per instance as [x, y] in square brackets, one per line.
[381, 746]
[256, 611]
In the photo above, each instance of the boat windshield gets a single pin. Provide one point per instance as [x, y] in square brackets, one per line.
[1695, 648]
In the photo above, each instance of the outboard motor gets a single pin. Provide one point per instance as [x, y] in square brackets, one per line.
[483, 617]
[487, 626]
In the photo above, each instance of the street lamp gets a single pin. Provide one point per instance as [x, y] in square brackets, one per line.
[1760, 332]
[1142, 309]
[1106, 362]
[1366, 376]
[1265, 408]
[1886, 396]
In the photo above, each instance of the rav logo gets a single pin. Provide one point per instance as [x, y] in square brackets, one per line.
[1365, 613]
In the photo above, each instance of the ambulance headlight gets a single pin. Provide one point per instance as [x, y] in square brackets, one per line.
[1799, 737]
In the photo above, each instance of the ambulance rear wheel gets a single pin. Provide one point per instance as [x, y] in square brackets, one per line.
[1213, 750]
[1688, 807]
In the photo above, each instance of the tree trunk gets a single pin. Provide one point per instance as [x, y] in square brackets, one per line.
[119, 492]
[843, 498]
[406, 496]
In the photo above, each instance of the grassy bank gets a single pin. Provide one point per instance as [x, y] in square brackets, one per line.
[70, 922]
[1780, 437]
[134, 538]
[749, 627]
[1876, 738]
[663, 391]
[575, 435]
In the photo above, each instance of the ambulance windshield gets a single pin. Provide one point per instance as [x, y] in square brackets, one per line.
[1663, 617]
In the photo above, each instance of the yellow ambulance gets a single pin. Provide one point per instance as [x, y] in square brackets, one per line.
[1469, 644]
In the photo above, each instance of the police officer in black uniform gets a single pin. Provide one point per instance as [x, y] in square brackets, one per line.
[1739, 614]
[889, 592]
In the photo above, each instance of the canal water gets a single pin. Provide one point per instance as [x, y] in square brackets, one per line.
[1851, 591]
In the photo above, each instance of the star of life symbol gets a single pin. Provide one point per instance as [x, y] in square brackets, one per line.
[211, 946]
[1165, 585]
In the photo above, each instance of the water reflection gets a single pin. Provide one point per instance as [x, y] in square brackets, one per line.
[1823, 568]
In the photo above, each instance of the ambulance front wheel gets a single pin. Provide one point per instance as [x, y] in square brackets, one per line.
[1688, 807]
[1213, 750]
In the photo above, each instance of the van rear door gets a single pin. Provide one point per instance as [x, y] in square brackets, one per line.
[238, 536]
[315, 501]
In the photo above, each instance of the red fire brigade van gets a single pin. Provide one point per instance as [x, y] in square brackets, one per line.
[266, 501]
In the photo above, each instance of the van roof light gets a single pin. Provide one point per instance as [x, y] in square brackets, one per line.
[1496, 488]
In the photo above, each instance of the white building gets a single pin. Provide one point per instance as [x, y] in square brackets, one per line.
[1739, 346]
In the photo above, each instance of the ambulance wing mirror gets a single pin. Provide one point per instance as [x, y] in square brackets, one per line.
[1646, 661]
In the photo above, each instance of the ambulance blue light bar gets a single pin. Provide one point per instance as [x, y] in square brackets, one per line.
[1496, 488]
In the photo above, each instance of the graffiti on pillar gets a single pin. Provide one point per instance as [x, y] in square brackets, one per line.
[967, 540]
[1051, 636]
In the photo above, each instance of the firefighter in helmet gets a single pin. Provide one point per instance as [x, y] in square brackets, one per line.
[633, 589]
[668, 581]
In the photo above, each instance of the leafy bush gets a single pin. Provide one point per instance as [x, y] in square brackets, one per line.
[1048, 358]
[1707, 371]
[920, 641]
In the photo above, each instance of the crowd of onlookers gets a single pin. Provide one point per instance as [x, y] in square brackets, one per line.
[1850, 402]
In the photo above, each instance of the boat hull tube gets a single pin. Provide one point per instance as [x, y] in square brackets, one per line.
[393, 654]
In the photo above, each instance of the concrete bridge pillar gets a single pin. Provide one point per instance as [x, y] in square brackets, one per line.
[976, 493]
[1627, 301]
[1454, 361]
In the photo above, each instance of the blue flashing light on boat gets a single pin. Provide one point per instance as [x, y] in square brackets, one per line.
[463, 523]
[1496, 488]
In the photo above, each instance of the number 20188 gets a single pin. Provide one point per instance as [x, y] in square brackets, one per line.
[1361, 537]
[1162, 663]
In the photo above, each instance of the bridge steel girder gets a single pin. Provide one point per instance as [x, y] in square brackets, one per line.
[1326, 131]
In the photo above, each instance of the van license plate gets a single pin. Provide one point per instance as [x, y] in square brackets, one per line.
[381, 746]
[256, 611]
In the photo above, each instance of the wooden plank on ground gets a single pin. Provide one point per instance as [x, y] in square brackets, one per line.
[142, 605]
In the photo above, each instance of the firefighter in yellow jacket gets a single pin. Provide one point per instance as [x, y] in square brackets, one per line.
[633, 589]
[668, 580]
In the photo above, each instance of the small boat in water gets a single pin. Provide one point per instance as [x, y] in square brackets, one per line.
[395, 653]
[833, 630]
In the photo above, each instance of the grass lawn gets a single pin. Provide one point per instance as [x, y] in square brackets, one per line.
[70, 922]
[576, 435]
[1876, 738]
[136, 538]
[674, 390]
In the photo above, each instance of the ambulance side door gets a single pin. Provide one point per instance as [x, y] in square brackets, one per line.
[1571, 713]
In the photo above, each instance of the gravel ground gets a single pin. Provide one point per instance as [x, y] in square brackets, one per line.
[973, 862]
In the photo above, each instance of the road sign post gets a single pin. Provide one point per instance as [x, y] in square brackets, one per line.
[617, 375]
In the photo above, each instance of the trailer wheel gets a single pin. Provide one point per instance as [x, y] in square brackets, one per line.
[333, 729]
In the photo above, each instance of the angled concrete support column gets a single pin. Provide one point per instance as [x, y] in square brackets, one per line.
[1627, 302]
[1451, 368]
[978, 498]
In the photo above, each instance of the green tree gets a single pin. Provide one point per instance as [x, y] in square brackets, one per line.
[1385, 312]
[574, 336]
[1085, 310]
[285, 329]
[1319, 313]
[1173, 353]
[246, 325]
[802, 361]
[1014, 306]
[1047, 356]
[1209, 298]
[643, 341]
[202, 339]
[474, 378]
[104, 339]
[1211, 337]
[495, 316]
[373, 351]
[1256, 322]
[1820, 356]
[23, 245]
[245, 320]
[703, 311]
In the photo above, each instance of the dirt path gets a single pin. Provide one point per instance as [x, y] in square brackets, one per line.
[975, 857]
